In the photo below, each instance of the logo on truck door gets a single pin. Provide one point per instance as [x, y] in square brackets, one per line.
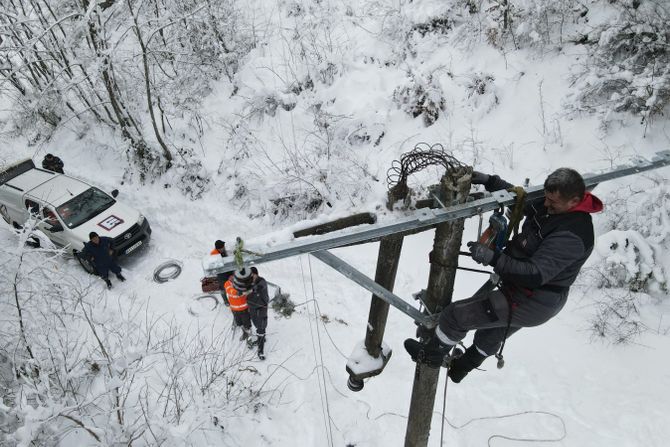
[110, 222]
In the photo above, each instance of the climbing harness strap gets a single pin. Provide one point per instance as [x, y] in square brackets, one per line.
[496, 237]
[513, 227]
[517, 211]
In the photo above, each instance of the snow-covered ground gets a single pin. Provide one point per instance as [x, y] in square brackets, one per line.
[561, 384]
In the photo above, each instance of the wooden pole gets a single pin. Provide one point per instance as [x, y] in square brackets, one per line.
[444, 261]
[387, 267]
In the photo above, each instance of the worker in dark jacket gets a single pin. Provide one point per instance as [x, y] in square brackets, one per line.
[258, 309]
[536, 270]
[99, 252]
[53, 163]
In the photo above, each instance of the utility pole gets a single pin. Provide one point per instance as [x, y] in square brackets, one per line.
[443, 264]
[387, 267]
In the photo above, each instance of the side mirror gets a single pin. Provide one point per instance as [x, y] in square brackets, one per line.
[56, 228]
[115, 193]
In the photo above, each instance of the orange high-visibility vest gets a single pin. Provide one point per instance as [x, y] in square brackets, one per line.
[238, 302]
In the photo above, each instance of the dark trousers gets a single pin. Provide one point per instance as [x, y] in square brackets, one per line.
[104, 270]
[259, 317]
[242, 319]
[488, 314]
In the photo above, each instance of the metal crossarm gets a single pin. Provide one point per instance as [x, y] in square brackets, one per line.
[417, 220]
[359, 278]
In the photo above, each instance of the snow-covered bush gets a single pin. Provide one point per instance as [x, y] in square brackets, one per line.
[188, 175]
[629, 261]
[140, 69]
[282, 304]
[78, 368]
[628, 62]
[617, 317]
[635, 235]
[521, 23]
[482, 92]
[421, 97]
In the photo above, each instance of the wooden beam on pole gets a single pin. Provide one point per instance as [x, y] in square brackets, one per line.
[444, 262]
[337, 224]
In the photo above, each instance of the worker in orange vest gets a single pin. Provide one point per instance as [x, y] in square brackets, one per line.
[220, 250]
[238, 286]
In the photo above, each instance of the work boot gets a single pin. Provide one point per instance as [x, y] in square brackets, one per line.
[120, 277]
[261, 347]
[252, 341]
[432, 353]
[245, 334]
[461, 366]
[108, 282]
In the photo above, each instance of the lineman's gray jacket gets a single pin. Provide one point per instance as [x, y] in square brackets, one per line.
[550, 249]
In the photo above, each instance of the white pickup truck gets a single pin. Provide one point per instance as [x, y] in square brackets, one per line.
[69, 209]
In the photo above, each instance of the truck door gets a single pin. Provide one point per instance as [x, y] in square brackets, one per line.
[54, 227]
[47, 221]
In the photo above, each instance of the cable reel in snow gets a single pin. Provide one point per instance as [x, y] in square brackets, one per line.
[167, 271]
[205, 302]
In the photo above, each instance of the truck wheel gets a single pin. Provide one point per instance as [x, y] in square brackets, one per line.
[85, 263]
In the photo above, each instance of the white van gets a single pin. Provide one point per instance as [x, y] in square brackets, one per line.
[69, 209]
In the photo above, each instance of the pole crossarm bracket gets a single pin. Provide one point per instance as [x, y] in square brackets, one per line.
[362, 280]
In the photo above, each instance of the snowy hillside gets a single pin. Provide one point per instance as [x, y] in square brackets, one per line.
[276, 115]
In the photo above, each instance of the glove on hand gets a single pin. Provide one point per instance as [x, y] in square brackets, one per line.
[479, 178]
[483, 254]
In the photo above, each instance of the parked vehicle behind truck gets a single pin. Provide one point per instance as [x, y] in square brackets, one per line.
[68, 209]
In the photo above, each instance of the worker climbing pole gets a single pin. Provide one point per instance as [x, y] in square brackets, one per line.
[558, 212]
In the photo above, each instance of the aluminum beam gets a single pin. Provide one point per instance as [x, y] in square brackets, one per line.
[361, 279]
[419, 219]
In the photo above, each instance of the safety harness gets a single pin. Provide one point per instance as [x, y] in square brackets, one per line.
[496, 237]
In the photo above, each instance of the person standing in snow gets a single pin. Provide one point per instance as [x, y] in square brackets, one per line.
[238, 287]
[52, 163]
[258, 309]
[100, 253]
[220, 250]
[536, 270]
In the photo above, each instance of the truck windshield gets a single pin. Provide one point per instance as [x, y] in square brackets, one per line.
[84, 207]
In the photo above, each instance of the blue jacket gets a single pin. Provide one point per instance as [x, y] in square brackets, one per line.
[259, 299]
[100, 252]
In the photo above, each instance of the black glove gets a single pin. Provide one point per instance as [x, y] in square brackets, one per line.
[483, 254]
[479, 178]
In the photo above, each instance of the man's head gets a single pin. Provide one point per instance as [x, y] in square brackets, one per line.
[563, 190]
[242, 280]
[93, 237]
[254, 272]
[49, 157]
[220, 245]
